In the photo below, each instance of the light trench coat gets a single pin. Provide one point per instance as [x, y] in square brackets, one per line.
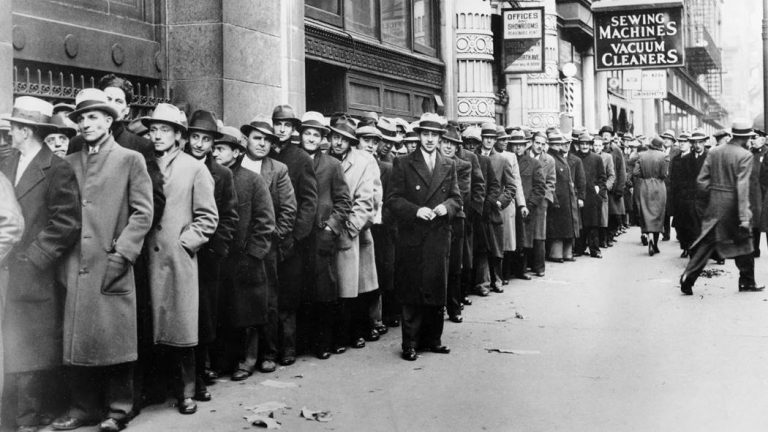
[509, 213]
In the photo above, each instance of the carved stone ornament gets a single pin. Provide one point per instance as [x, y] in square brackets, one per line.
[71, 45]
[19, 38]
[475, 107]
[474, 44]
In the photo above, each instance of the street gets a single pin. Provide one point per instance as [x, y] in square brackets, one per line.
[602, 345]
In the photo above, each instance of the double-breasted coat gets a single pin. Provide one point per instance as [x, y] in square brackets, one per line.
[534, 187]
[594, 191]
[49, 198]
[384, 232]
[245, 292]
[100, 316]
[562, 215]
[579, 183]
[423, 247]
[11, 229]
[333, 207]
[356, 260]
[189, 221]
[725, 177]
[651, 190]
[755, 192]
[508, 215]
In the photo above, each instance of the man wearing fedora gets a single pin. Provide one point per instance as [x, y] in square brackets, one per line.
[509, 214]
[684, 192]
[260, 137]
[594, 191]
[59, 136]
[727, 223]
[424, 198]
[245, 286]
[189, 221]
[286, 122]
[538, 151]
[100, 333]
[47, 191]
[203, 130]
[616, 208]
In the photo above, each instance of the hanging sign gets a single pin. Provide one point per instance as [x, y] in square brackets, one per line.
[523, 30]
[638, 38]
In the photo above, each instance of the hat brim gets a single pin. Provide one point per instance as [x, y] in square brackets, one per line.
[45, 127]
[96, 107]
[344, 134]
[746, 134]
[64, 130]
[323, 129]
[216, 134]
[147, 121]
[419, 129]
[235, 145]
[247, 129]
[518, 141]
[392, 139]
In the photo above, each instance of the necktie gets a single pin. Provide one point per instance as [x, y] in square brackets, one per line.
[431, 163]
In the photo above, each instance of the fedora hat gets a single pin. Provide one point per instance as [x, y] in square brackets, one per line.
[315, 120]
[5, 125]
[627, 137]
[286, 112]
[555, 137]
[657, 142]
[488, 129]
[91, 99]
[742, 128]
[388, 129]
[698, 134]
[63, 107]
[585, 137]
[368, 130]
[501, 133]
[346, 127]
[204, 121]
[669, 134]
[430, 122]
[452, 134]
[261, 125]
[472, 133]
[517, 137]
[608, 129]
[31, 111]
[63, 125]
[411, 136]
[577, 131]
[720, 133]
[231, 136]
[684, 136]
[167, 114]
[369, 118]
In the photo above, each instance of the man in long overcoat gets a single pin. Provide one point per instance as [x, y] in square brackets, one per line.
[189, 221]
[203, 130]
[47, 192]
[244, 280]
[509, 214]
[425, 196]
[615, 198]
[687, 210]
[598, 146]
[595, 190]
[548, 167]
[100, 333]
[650, 188]
[727, 223]
[562, 216]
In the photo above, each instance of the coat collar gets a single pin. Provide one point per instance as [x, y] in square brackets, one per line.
[434, 180]
[35, 172]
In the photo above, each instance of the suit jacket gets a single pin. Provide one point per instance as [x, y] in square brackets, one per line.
[304, 186]
[116, 214]
[49, 199]
[334, 202]
[595, 190]
[491, 212]
[275, 174]
[474, 206]
[534, 188]
[385, 170]
[464, 179]
[505, 176]
[423, 246]
[550, 176]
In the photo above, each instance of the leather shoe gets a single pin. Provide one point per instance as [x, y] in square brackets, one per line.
[456, 318]
[568, 260]
[288, 360]
[111, 425]
[372, 336]
[440, 349]
[210, 376]
[381, 328]
[539, 274]
[392, 322]
[187, 406]
[203, 396]
[684, 254]
[644, 240]
[358, 343]
[686, 285]
[595, 255]
[339, 349]
[523, 276]
[267, 366]
[497, 289]
[409, 354]
[752, 288]
[240, 375]
[466, 301]
[323, 355]
[482, 291]
[69, 423]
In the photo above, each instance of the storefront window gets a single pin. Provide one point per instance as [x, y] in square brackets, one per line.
[332, 6]
[361, 16]
[394, 22]
[423, 24]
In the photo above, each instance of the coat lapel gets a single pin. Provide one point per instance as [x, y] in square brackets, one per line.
[266, 170]
[420, 166]
[442, 165]
[35, 172]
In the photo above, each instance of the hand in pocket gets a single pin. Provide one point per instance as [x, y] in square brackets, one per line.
[117, 267]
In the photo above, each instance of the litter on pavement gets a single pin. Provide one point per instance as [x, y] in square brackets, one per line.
[512, 351]
[263, 421]
[321, 416]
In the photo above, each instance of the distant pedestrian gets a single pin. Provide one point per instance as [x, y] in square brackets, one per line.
[650, 173]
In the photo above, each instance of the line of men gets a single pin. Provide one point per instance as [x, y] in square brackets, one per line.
[151, 266]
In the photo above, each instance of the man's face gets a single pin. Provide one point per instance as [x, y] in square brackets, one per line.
[258, 145]
[488, 142]
[597, 146]
[339, 143]
[685, 146]
[19, 134]
[410, 146]
[668, 143]
[224, 154]
[200, 143]
[447, 148]
[757, 142]
[698, 145]
[116, 99]
[501, 145]
[369, 143]
[163, 136]
[325, 145]
[310, 139]
[94, 125]
[538, 145]
[58, 143]
[283, 129]
[384, 148]
[429, 140]
[585, 146]
[607, 136]
[470, 145]
[519, 149]
[400, 132]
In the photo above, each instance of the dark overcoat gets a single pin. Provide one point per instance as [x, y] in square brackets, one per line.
[595, 189]
[534, 188]
[491, 212]
[116, 193]
[685, 195]
[755, 193]
[50, 203]
[616, 197]
[651, 190]
[473, 208]
[333, 207]
[562, 215]
[423, 246]
[464, 179]
[725, 177]
[579, 183]
[764, 190]
[304, 184]
[494, 225]
[244, 275]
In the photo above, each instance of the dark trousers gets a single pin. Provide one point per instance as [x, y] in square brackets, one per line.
[323, 315]
[667, 223]
[249, 341]
[287, 332]
[270, 331]
[537, 255]
[30, 388]
[519, 262]
[422, 326]
[590, 238]
[705, 249]
[455, 260]
[353, 320]
[384, 251]
[94, 388]
[756, 234]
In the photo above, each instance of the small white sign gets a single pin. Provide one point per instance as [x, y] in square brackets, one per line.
[526, 23]
[632, 79]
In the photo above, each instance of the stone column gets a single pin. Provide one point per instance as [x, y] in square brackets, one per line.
[541, 96]
[475, 99]
[588, 73]
[291, 50]
[601, 92]
[448, 50]
[6, 57]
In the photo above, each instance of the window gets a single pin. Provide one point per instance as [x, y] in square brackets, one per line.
[424, 25]
[331, 6]
[394, 22]
[361, 16]
[324, 10]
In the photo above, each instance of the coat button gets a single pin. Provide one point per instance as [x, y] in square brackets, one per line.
[159, 227]
[83, 270]
[85, 203]
[157, 249]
